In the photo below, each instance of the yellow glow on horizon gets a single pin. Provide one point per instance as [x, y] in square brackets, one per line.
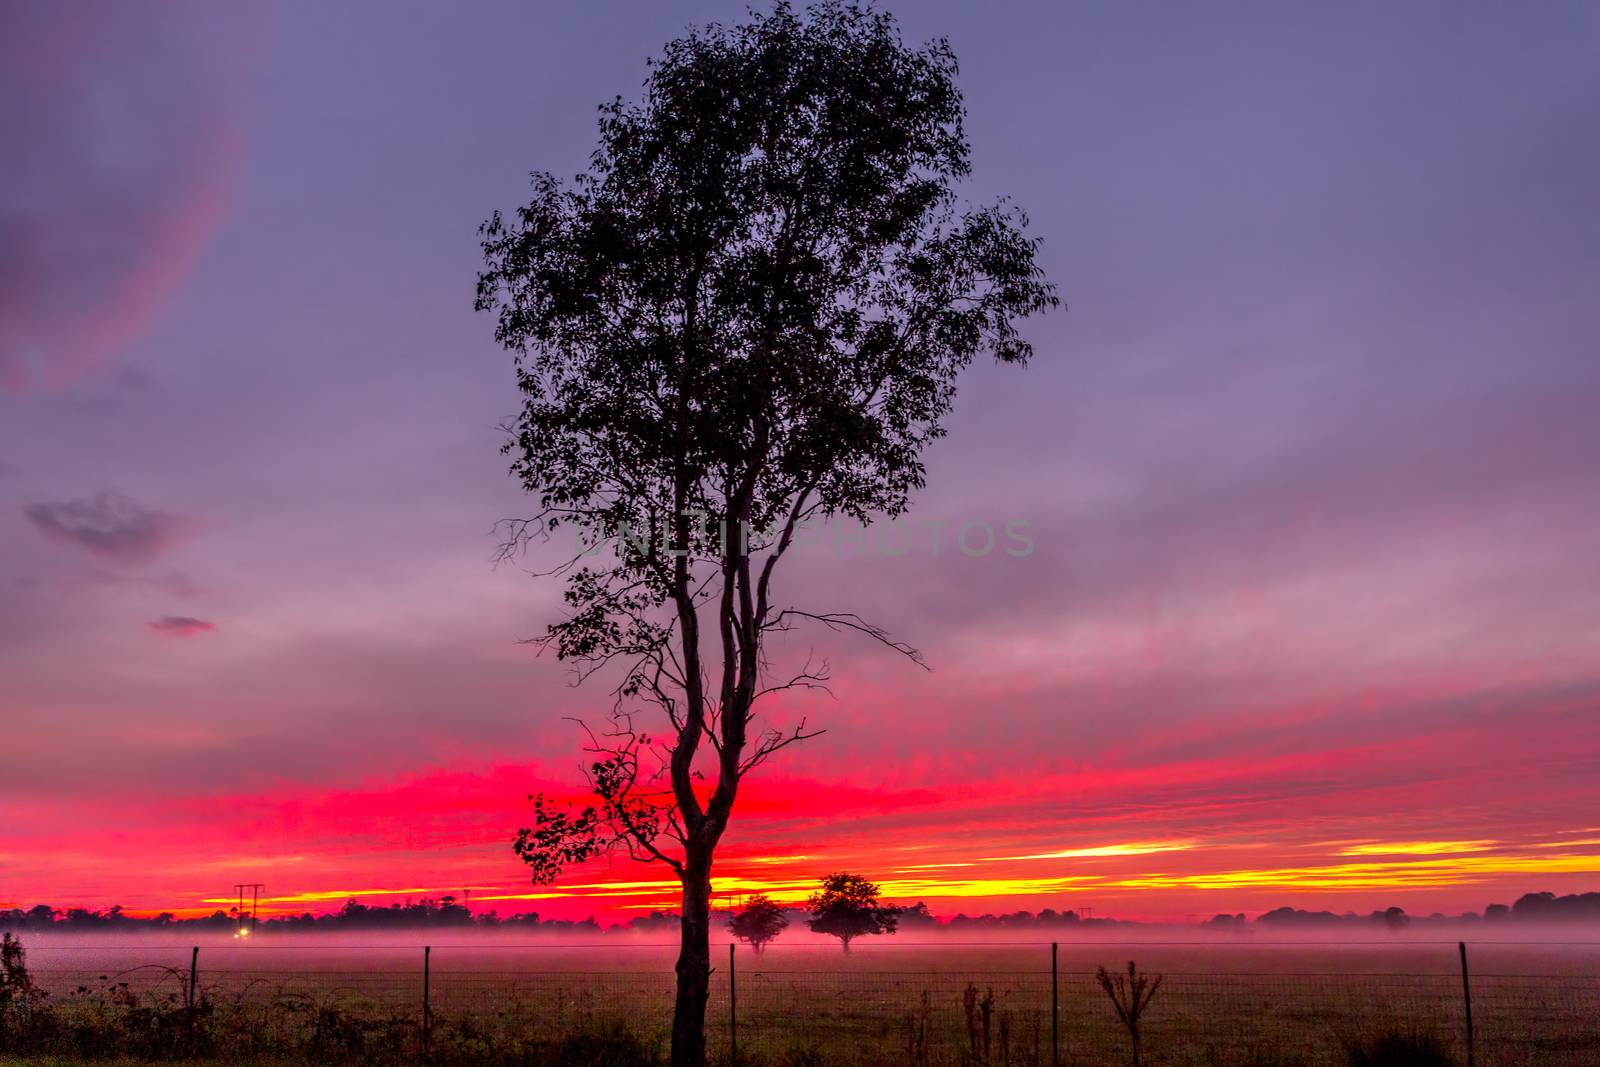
[320, 895]
[1373, 865]
[793, 891]
[1393, 875]
[1416, 848]
[1135, 848]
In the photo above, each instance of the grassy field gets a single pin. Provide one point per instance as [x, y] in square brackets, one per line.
[1219, 1005]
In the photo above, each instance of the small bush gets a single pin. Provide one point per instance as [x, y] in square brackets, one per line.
[610, 1044]
[1130, 995]
[1399, 1048]
[23, 1015]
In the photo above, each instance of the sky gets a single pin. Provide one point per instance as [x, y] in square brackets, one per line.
[1307, 464]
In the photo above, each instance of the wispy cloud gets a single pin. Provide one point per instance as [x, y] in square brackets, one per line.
[1137, 848]
[109, 525]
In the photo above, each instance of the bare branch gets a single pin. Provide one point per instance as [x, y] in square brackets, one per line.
[839, 621]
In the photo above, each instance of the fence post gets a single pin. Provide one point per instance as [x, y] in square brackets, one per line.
[1055, 1007]
[733, 1012]
[191, 1006]
[427, 1015]
[1466, 995]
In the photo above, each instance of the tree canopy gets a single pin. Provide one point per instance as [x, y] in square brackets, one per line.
[847, 907]
[759, 922]
[748, 314]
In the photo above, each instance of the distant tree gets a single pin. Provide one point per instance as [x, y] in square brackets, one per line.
[1548, 906]
[749, 316]
[656, 921]
[1287, 916]
[760, 921]
[847, 907]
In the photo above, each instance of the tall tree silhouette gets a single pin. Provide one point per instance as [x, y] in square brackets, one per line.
[748, 314]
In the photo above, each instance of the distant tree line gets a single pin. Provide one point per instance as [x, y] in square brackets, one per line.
[448, 912]
[1530, 907]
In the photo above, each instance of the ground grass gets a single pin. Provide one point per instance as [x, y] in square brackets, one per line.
[123, 1061]
[939, 1006]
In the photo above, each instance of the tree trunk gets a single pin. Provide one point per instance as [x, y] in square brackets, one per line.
[694, 968]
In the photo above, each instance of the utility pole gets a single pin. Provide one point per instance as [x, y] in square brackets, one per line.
[254, 889]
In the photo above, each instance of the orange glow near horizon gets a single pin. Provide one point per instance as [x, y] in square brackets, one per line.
[1154, 834]
[1032, 881]
[456, 821]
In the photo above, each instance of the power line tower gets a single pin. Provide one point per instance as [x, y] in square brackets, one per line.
[247, 928]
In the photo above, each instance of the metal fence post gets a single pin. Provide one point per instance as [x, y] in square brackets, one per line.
[1055, 1007]
[191, 1007]
[427, 1015]
[733, 1012]
[1466, 996]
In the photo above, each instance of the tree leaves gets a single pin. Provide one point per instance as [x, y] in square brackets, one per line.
[749, 313]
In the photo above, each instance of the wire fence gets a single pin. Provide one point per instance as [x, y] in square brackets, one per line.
[1023, 1006]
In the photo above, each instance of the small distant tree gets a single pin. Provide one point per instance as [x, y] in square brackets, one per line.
[760, 921]
[847, 907]
[1130, 995]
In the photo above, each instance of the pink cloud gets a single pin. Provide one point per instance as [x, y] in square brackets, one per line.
[181, 626]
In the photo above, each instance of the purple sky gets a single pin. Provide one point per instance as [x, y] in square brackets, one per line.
[1309, 461]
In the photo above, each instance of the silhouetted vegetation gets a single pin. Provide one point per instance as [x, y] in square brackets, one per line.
[18, 995]
[447, 913]
[1130, 995]
[426, 914]
[1530, 907]
[847, 907]
[760, 921]
[1399, 1048]
[747, 318]
[1547, 907]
